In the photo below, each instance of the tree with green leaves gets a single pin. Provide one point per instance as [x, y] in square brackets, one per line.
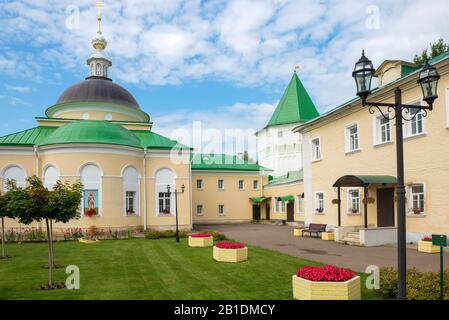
[434, 50]
[37, 203]
[4, 214]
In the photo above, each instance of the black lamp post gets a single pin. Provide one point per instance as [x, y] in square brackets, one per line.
[428, 79]
[176, 206]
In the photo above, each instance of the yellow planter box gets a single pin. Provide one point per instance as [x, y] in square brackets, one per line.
[88, 241]
[322, 290]
[201, 242]
[328, 236]
[230, 255]
[427, 247]
[297, 232]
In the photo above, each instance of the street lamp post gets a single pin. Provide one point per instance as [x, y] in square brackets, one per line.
[428, 80]
[176, 206]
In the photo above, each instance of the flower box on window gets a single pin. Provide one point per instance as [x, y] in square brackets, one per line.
[319, 210]
[230, 252]
[91, 213]
[201, 240]
[326, 283]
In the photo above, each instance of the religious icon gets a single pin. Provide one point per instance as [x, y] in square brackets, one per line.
[90, 202]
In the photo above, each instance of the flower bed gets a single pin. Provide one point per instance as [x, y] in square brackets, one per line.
[425, 245]
[201, 240]
[326, 283]
[230, 252]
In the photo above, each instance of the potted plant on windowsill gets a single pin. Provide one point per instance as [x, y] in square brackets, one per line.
[326, 283]
[319, 210]
[354, 210]
[416, 210]
[166, 211]
[425, 245]
[230, 252]
[130, 212]
[201, 240]
[91, 213]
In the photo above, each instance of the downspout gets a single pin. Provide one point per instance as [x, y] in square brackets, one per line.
[145, 189]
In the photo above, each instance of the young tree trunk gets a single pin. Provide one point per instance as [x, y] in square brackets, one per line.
[3, 238]
[50, 267]
[51, 245]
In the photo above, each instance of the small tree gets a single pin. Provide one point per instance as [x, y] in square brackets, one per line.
[4, 214]
[436, 49]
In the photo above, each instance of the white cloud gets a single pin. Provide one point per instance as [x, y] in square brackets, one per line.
[246, 42]
[20, 89]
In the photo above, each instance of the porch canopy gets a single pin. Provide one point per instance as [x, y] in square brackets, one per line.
[258, 200]
[361, 181]
[286, 198]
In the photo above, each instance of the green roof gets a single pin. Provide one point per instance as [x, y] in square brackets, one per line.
[290, 177]
[364, 180]
[90, 132]
[223, 162]
[295, 105]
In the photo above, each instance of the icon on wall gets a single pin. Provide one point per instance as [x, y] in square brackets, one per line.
[90, 206]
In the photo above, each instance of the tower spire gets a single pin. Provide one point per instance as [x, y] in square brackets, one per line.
[97, 61]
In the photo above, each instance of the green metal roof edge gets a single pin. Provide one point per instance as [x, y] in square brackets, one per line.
[432, 61]
[177, 145]
[14, 144]
[73, 119]
[251, 166]
[373, 179]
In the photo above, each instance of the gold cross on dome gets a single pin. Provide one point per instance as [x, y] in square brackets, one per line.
[296, 68]
[99, 6]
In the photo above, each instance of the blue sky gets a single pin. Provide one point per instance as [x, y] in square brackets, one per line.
[224, 63]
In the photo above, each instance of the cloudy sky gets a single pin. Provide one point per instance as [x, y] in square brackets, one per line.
[224, 63]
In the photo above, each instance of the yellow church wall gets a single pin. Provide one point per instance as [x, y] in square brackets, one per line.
[237, 204]
[273, 192]
[426, 160]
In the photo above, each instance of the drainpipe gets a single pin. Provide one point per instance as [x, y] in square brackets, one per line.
[145, 189]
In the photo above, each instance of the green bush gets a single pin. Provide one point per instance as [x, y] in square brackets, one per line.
[152, 235]
[183, 234]
[167, 234]
[218, 236]
[420, 285]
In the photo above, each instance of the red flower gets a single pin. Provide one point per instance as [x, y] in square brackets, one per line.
[200, 235]
[230, 245]
[427, 238]
[326, 273]
[90, 212]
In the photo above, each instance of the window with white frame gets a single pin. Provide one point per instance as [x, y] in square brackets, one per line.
[316, 149]
[91, 180]
[417, 198]
[279, 205]
[354, 201]
[280, 134]
[130, 190]
[199, 210]
[220, 184]
[319, 202]
[199, 184]
[51, 176]
[256, 184]
[241, 185]
[416, 125]
[164, 203]
[352, 138]
[164, 177]
[15, 173]
[221, 211]
[383, 130]
[299, 204]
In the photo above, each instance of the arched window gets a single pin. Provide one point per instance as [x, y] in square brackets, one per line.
[92, 69]
[98, 69]
[51, 175]
[105, 71]
[131, 191]
[164, 203]
[14, 173]
[91, 180]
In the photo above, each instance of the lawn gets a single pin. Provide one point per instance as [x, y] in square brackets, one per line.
[149, 269]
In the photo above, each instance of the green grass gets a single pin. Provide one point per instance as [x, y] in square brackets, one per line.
[149, 269]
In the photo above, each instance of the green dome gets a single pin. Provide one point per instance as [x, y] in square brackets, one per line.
[92, 132]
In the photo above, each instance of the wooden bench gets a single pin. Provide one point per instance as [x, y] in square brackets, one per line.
[314, 228]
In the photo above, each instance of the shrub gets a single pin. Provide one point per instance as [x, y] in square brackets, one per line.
[183, 234]
[152, 235]
[326, 273]
[218, 236]
[230, 245]
[92, 231]
[167, 234]
[420, 285]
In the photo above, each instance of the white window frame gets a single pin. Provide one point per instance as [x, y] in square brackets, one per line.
[299, 206]
[348, 136]
[164, 176]
[135, 203]
[201, 211]
[349, 201]
[242, 186]
[279, 205]
[317, 202]
[165, 196]
[222, 184]
[408, 125]
[410, 197]
[256, 184]
[200, 181]
[131, 186]
[377, 134]
[221, 207]
[316, 150]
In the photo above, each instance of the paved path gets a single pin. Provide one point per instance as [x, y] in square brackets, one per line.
[280, 238]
